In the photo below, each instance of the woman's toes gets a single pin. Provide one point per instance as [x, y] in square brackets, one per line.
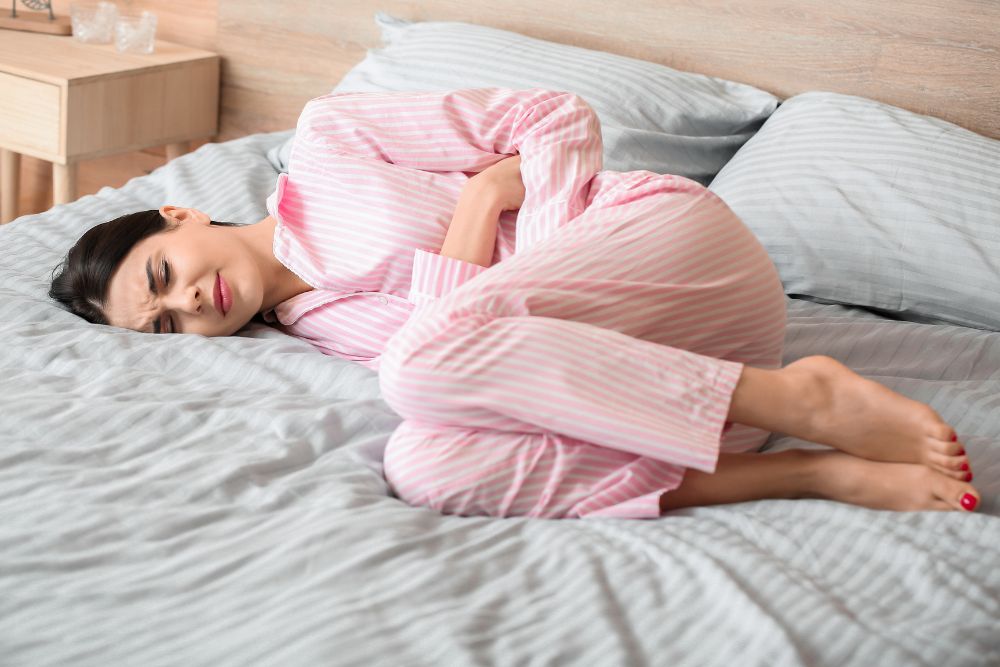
[960, 495]
[954, 466]
[960, 475]
[941, 431]
[940, 440]
[968, 501]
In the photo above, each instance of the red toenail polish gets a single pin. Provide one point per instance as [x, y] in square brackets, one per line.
[968, 477]
[954, 438]
[969, 501]
[965, 466]
[961, 452]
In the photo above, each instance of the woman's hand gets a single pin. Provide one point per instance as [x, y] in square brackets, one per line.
[472, 232]
[503, 179]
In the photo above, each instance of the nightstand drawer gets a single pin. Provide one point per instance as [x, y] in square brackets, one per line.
[29, 114]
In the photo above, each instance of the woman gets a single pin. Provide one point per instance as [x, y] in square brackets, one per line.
[561, 341]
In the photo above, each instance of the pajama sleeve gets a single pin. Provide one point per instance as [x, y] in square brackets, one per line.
[557, 134]
[434, 275]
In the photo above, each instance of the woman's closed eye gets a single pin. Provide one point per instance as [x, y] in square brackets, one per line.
[165, 279]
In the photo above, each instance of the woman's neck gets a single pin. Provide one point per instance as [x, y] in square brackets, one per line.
[280, 283]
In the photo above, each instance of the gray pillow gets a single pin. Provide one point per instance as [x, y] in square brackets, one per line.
[653, 117]
[862, 203]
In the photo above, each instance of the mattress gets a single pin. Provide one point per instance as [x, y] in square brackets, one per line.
[171, 500]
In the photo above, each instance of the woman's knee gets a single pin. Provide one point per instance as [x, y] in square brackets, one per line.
[396, 368]
[415, 371]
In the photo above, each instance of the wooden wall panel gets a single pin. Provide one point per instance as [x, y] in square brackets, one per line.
[939, 57]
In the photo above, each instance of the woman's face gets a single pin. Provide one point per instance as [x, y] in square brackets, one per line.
[185, 264]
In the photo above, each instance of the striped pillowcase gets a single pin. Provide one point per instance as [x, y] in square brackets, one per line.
[863, 203]
[653, 117]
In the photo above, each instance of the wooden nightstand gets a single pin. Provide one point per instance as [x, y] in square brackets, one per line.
[64, 101]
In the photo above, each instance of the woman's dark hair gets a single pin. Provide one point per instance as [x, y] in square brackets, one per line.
[82, 284]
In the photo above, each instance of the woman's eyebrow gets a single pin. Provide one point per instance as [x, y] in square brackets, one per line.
[149, 274]
[152, 288]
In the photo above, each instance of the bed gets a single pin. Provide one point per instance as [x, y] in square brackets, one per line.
[170, 500]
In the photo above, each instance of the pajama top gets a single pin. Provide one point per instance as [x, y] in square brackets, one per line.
[373, 181]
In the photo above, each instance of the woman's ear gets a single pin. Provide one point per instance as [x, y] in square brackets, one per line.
[181, 214]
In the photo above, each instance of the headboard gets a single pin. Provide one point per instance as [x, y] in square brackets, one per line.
[938, 57]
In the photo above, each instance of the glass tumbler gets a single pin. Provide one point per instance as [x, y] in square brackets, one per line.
[93, 23]
[135, 33]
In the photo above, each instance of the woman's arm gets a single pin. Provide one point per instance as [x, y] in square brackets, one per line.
[472, 232]
[556, 132]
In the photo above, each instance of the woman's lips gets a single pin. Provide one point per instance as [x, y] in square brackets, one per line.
[225, 295]
[217, 295]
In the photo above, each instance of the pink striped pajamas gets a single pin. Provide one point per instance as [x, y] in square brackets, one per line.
[588, 366]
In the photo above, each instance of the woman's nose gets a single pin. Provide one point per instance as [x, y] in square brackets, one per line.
[189, 300]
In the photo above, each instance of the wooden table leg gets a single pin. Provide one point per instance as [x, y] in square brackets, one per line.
[63, 183]
[177, 150]
[10, 181]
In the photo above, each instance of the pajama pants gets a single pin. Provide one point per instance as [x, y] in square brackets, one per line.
[580, 377]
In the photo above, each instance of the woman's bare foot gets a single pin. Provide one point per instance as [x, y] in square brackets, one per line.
[869, 420]
[903, 487]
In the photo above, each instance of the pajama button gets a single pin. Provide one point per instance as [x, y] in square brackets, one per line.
[383, 299]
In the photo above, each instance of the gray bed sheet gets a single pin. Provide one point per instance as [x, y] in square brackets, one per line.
[180, 500]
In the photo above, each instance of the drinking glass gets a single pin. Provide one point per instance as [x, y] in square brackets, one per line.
[135, 33]
[93, 23]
